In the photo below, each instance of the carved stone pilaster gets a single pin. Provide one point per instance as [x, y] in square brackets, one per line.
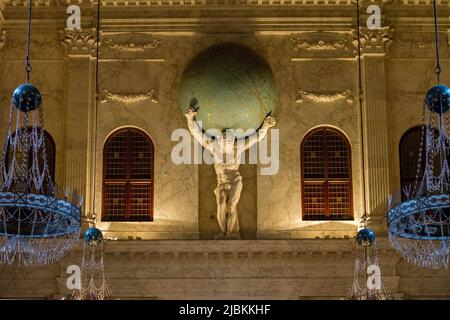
[448, 36]
[79, 42]
[376, 116]
[376, 41]
[2, 39]
[79, 47]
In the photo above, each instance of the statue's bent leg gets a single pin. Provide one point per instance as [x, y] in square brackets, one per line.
[221, 199]
[235, 194]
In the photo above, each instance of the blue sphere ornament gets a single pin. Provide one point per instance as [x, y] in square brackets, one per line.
[26, 98]
[230, 86]
[93, 236]
[438, 99]
[365, 237]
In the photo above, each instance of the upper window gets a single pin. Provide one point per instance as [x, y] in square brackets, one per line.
[409, 149]
[128, 177]
[409, 153]
[326, 176]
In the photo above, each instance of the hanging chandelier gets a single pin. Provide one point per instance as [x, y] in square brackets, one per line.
[35, 226]
[419, 228]
[367, 284]
[93, 284]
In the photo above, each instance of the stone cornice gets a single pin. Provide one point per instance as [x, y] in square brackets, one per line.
[236, 249]
[231, 3]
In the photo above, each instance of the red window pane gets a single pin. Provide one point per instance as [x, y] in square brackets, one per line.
[128, 177]
[338, 156]
[116, 157]
[141, 153]
[313, 153]
[140, 201]
[314, 199]
[326, 176]
[115, 201]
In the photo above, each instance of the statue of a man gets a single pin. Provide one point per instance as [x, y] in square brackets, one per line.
[226, 155]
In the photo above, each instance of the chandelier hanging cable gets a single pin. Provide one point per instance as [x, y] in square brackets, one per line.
[419, 227]
[35, 226]
[367, 256]
[93, 285]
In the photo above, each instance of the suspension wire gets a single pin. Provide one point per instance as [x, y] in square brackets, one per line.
[361, 113]
[97, 90]
[437, 69]
[27, 59]
[97, 100]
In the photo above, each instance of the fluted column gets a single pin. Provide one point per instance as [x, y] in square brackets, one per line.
[374, 44]
[79, 48]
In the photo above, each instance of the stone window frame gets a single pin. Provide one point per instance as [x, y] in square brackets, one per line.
[327, 215]
[128, 181]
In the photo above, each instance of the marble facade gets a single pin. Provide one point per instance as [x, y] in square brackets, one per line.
[145, 46]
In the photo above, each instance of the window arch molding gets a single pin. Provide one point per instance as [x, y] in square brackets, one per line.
[326, 175]
[128, 176]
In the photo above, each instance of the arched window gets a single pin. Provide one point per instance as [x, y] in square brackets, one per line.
[409, 149]
[50, 149]
[128, 176]
[326, 176]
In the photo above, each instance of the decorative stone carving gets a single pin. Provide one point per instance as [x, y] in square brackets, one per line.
[132, 47]
[448, 36]
[79, 42]
[319, 45]
[303, 96]
[375, 41]
[106, 96]
[323, 43]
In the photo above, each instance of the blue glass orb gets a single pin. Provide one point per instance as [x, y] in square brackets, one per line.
[230, 86]
[365, 237]
[438, 99]
[26, 98]
[93, 236]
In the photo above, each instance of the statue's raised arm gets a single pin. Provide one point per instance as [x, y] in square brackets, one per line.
[194, 129]
[262, 132]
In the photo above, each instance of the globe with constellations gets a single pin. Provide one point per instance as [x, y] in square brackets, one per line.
[230, 86]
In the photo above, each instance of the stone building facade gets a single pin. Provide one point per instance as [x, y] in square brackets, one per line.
[310, 47]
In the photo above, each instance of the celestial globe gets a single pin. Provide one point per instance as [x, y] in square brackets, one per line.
[230, 86]
[93, 236]
[365, 237]
[26, 98]
[437, 99]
